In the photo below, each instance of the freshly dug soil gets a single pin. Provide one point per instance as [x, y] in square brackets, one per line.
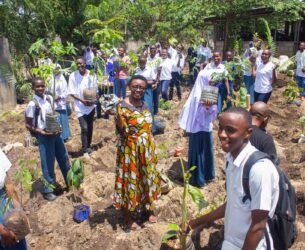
[52, 222]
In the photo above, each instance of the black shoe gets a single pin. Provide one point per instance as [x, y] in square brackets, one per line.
[50, 196]
[87, 150]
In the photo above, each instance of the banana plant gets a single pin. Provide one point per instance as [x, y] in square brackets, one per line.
[75, 176]
[197, 198]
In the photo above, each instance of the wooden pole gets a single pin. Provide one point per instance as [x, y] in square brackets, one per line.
[248, 103]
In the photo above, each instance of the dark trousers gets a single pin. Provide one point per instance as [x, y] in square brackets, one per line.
[156, 94]
[176, 80]
[19, 246]
[86, 125]
[51, 147]
[262, 97]
[196, 72]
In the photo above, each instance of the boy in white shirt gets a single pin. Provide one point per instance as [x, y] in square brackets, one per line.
[166, 65]
[85, 109]
[179, 61]
[245, 220]
[50, 145]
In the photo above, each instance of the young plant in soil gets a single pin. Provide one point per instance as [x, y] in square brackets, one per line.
[197, 198]
[292, 91]
[15, 218]
[165, 105]
[75, 177]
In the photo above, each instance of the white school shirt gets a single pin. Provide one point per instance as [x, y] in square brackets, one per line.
[166, 69]
[300, 58]
[147, 72]
[212, 68]
[264, 190]
[5, 165]
[89, 56]
[263, 79]
[77, 84]
[206, 51]
[180, 67]
[247, 68]
[154, 63]
[172, 52]
[61, 90]
[45, 107]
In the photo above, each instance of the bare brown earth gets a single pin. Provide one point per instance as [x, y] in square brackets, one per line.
[54, 228]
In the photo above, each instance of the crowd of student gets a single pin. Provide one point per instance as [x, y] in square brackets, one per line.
[138, 180]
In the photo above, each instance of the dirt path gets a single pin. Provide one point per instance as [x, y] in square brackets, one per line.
[53, 227]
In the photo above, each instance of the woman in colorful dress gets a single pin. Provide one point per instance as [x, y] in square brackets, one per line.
[137, 182]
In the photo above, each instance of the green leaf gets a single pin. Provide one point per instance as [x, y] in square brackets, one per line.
[77, 166]
[170, 234]
[173, 226]
[76, 181]
[70, 178]
[192, 168]
[197, 197]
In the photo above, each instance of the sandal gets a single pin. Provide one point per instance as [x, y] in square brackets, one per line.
[152, 218]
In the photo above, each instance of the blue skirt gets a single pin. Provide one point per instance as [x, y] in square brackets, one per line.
[64, 122]
[201, 155]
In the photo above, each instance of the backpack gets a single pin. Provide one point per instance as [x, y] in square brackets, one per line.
[282, 225]
[37, 113]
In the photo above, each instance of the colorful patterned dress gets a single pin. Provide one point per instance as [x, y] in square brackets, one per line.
[137, 182]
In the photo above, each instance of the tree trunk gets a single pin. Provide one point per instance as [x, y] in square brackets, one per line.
[7, 78]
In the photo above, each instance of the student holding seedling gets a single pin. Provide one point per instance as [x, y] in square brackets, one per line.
[300, 72]
[50, 144]
[154, 61]
[8, 238]
[82, 87]
[245, 218]
[121, 65]
[137, 182]
[219, 78]
[197, 118]
[61, 92]
[265, 76]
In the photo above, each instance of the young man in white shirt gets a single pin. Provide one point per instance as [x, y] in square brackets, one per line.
[300, 71]
[50, 145]
[166, 65]
[179, 61]
[85, 109]
[154, 61]
[245, 221]
[265, 77]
